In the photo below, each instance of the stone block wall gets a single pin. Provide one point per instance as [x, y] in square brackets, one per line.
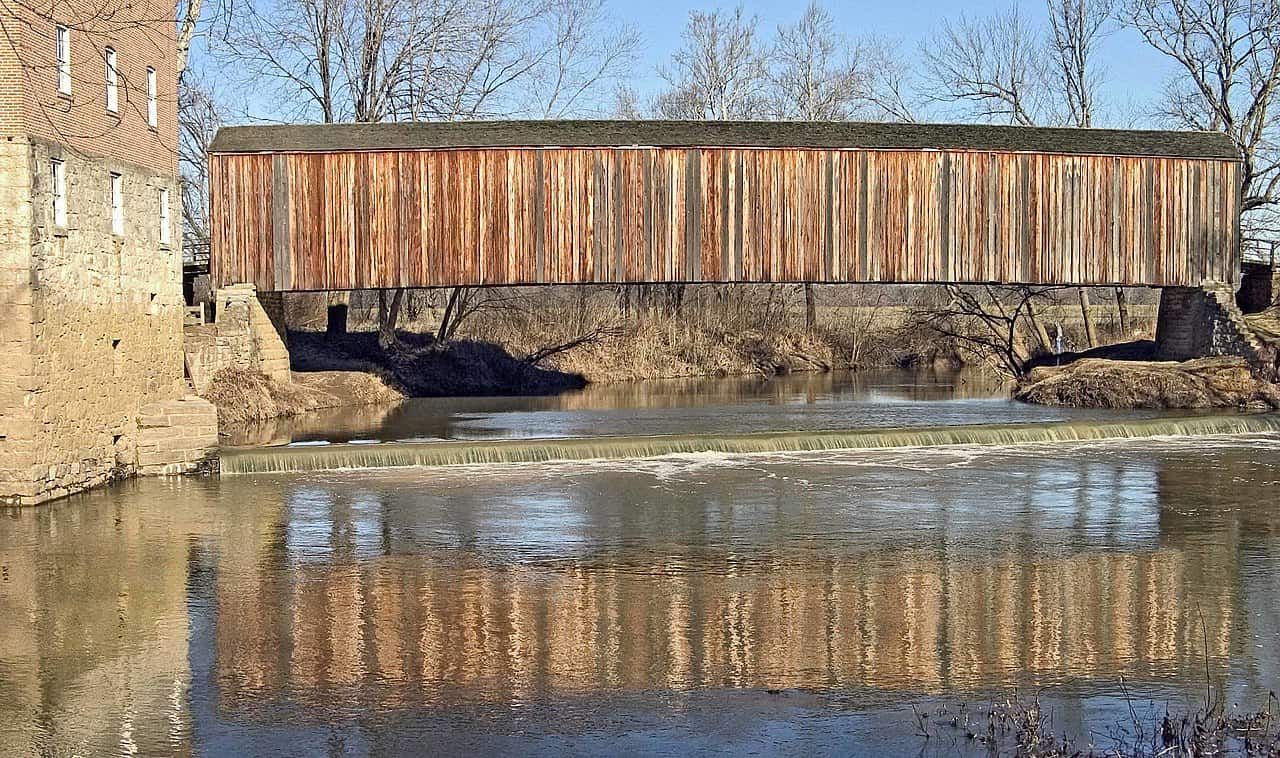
[16, 428]
[177, 436]
[105, 320]
[258, 339]
[247, 333]
[1196, 322]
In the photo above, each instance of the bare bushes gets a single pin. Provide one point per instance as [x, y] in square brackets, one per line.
[1023, 726]
[608, 333]
[242, 396]
[632, 332]
[1008, 327]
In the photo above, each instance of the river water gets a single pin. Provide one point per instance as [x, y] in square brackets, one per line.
[838, 400]
[691, 604]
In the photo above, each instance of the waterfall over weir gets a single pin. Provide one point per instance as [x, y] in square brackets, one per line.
[407, 454]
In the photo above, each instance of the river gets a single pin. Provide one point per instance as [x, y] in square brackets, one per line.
[690, 604]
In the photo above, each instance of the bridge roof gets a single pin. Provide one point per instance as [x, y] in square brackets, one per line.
[313, 138]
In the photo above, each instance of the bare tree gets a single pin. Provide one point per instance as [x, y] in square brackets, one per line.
[626, 103]
[1076, 27]
[889, 91]
[198, 121]
[473, 57]
[1006, 68]
[1228, 58]
[328, 60]
[582, 54]
[991, 322]
[995, 65]
[718, 73]
[814, 72]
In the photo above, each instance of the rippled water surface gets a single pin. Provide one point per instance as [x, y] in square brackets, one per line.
[734, 405]
[773, 604]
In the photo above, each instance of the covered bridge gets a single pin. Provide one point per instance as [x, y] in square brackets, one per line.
[359, 206]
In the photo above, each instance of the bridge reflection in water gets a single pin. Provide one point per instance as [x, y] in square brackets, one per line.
[515, 633]
[157, 615]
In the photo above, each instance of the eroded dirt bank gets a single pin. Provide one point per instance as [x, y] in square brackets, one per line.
[1223, 382]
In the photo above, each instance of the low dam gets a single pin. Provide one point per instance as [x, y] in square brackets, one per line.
[399, 454]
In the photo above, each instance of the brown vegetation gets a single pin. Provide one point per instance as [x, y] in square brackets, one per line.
[627, 333]
[1222, 382]
[611, 333]
[548, 340]
[1022, 726]
[242, 396]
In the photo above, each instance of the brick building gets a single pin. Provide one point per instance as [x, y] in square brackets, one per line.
[90, 263]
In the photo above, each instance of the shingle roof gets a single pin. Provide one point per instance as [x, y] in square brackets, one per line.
[795, 134]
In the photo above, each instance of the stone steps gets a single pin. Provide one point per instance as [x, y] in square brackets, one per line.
[1256, 348]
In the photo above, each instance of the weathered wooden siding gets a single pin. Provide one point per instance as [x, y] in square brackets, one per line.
[425, 218]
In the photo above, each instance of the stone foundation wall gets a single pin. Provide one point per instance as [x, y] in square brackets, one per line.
[16, 427]
[177, 436]
[105, 320]
[1195, 322]
[248, 334]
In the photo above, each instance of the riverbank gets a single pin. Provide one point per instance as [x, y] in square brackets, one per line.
[540, 342]
[245, 396]
[1219, 382]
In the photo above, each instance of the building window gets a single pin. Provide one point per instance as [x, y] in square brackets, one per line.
[151, 97]
[117, 205]
[164, 217]
[58, 171]
[64, 59]
[113, 82]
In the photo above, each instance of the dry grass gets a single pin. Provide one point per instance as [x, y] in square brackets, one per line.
[1095, 383]
[1022, 726]
[711, 332]
[666, 331]
[242, 396]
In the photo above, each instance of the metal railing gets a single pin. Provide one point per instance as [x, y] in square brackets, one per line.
[1264, 251]
[195, 256]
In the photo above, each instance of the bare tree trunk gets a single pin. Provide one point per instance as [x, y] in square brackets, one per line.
[1090, 335]
[190, 16]
[810, 309]
[388, 314]
[1122, 312]
[445, 332]
[1041, 333]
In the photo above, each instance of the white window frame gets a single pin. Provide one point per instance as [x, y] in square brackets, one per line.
[62, 53]
[58, 178]
[113, 80]
[164, 216]
[152, 114]
[117, 205]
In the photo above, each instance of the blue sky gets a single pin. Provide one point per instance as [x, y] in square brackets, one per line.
[1135, 72]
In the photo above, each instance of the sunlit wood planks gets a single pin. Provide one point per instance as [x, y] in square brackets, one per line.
[523, 215]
